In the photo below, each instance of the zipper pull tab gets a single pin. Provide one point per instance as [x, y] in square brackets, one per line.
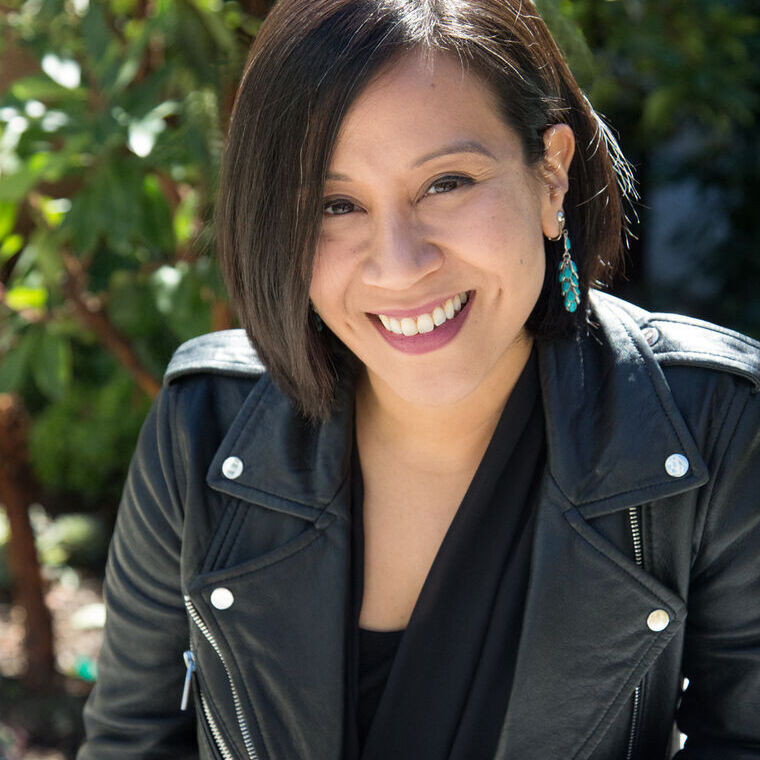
[189, 658]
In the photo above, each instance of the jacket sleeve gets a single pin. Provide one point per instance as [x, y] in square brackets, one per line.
[133, 711]
[720, 709]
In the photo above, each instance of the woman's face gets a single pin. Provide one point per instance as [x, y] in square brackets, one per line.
[431, 254]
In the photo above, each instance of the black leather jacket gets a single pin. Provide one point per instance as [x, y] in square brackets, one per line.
[232, 542]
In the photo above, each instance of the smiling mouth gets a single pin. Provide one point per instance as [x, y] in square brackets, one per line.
[425, 322]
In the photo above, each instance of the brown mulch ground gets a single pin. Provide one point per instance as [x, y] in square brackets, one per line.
[48, 726]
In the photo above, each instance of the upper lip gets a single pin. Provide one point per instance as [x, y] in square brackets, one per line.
[425, 308]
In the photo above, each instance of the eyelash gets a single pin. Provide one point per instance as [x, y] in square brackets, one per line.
[462, 179]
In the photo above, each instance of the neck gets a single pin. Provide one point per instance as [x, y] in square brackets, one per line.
[436, 439]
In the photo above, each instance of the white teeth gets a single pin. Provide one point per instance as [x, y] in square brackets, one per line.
[409, 326]
[425, 323]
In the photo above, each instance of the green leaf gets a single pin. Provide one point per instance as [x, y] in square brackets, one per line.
[54, 209]
[10, 246]
[16, 186]
[51, 366]
[21, 297]
[82, 220]
[42, 257]
[7, 218]
[41, 87]
[95, 33]
[157, 216]
[15, 363]
[185, 217]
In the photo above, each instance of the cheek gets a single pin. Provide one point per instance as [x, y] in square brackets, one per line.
[500, 213]
[331, 276]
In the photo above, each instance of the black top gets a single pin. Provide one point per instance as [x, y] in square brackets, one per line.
[440, 689]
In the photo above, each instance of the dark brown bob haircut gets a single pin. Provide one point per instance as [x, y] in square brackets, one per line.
[307, 65]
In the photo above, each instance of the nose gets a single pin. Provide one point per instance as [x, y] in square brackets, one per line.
[399, 255]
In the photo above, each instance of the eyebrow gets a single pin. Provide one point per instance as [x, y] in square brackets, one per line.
[461, 146]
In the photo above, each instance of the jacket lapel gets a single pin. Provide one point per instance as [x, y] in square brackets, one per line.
[284, 638]
[585, 643]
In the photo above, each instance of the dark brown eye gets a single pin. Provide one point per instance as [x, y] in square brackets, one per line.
[338, 207]
[448, 183]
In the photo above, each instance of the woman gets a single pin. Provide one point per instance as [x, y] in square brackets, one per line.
[471, 508]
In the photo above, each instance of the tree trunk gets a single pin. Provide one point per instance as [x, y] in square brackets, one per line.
[17, 491]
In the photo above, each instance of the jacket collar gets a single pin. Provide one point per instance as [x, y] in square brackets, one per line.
[611, 424]
[289, 464]
[611, 420]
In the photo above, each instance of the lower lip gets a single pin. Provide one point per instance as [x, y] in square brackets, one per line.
[422, 343]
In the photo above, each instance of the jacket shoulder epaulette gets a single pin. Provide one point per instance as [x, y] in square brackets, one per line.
[679, 340]
[676, 339]
[226, 352]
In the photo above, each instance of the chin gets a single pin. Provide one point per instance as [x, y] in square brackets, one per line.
[431, 393]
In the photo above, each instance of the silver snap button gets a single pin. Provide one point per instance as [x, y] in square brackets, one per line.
[676, 465]
[222, 598]
[658, 620]
[232, 468]
[651, 335]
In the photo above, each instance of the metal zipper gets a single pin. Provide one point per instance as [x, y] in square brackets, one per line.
[633, 515]
[196, 618]
[221, 745]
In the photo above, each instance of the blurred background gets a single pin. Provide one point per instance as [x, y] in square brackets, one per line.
[112, 120]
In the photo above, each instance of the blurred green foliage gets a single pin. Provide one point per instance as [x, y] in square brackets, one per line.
[666, 65]
[680, 81]
[110, 141]
[109, 150]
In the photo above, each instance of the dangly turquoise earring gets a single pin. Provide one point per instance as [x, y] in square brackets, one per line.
[568, 272]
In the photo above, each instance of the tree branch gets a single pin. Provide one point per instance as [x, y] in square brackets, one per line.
[18, 489]
[90, 312]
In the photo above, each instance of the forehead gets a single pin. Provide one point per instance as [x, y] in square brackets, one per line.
[422, 101]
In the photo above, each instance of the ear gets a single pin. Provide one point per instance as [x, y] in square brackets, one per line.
[559, 147]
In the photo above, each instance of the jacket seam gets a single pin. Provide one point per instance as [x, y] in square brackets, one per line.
[297, 544]
[170, 443]
[694, 356]
[229, 516]
[720, 468]
[612, 559]
[305, 503]
[725, 332]
[697, 353]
